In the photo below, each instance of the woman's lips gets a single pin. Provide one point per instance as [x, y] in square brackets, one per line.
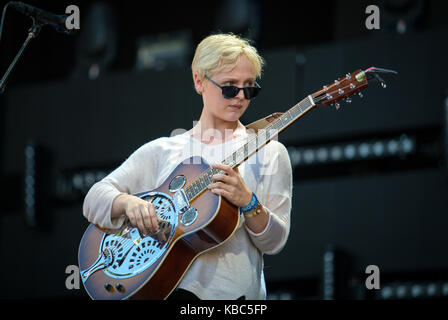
[236, 106]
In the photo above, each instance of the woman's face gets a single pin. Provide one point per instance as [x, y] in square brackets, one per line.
[241, 74]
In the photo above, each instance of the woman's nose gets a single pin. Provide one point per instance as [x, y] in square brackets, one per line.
[240, 94]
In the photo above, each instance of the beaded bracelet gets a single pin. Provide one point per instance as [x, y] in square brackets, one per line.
[255, 212]
[251, 206]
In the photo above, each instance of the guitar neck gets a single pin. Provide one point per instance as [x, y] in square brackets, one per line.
[254, 144]
[271, 131]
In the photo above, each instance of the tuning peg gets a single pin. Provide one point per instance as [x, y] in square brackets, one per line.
[360, 95]
[348, 100]
[337, 105]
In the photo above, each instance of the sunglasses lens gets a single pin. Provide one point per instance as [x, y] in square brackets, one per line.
[229, 92]
[251, 92]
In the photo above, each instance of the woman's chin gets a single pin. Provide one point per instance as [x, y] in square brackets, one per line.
[233, 116]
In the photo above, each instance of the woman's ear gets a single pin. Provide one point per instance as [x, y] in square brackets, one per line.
[198, 83]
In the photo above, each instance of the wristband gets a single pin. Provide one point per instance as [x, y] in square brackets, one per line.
[251, 206]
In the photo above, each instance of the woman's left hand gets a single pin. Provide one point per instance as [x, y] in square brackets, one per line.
[230, 185]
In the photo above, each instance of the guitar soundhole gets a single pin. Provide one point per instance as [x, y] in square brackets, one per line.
[177, 183]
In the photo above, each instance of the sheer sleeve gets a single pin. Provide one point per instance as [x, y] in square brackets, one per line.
[128, 178]
[277, 199]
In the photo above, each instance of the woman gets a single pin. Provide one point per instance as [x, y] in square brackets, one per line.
[261, 186]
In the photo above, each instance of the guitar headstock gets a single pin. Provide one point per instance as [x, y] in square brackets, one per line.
[345, 87]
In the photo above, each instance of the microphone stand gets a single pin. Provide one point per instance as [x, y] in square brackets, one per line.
[32, 33]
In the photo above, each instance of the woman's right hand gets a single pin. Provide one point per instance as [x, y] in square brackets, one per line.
[141, 213]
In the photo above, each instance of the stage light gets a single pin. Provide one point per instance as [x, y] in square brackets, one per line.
[295, 156]
[402, 291]
[336, 153]
[431, 289]
[445, 289]
[38, 164]
[407, 145]
[100, 175]
[30, 192]
[364, 150]
[77, 181]
[308, 156]
[416, 290]
[378, 148]
[322, 154]
[387, 292]
[328, 276]
[163, 51]
[392, 146]
[89, 179]
[350, 151]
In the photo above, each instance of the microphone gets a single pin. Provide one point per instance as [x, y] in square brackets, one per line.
[43, 17]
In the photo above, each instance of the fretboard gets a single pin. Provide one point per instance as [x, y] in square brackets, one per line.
[255, 143]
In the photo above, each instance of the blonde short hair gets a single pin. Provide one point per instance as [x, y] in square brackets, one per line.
[218, 51]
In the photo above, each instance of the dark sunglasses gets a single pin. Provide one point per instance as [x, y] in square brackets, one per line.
[229, 92]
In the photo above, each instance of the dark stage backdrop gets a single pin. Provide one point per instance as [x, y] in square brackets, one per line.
[394, 219]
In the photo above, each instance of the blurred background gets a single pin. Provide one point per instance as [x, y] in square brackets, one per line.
[370, 180]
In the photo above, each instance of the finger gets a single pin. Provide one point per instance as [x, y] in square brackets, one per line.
[139, 221]
[222, 177]
[132, 219]
[146, 218]
[162, 236]
[221, 192]
[219, 185]
[227, 169]
[153, 216]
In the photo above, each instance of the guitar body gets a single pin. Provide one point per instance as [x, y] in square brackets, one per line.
[129, 274]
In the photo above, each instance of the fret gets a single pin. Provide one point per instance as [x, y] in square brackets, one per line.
[190, 194]
[202, 183]
[240, 155]
[229, 162]
[195, 187]
[285, 118]
[296, 110]
[209, 176]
